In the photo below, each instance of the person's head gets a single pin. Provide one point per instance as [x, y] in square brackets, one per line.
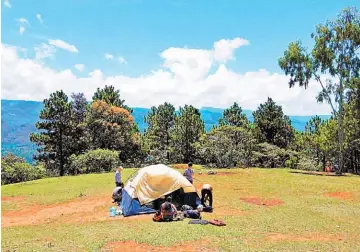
[190, 164]
[168, 199]
[120, 168]
[200, 208]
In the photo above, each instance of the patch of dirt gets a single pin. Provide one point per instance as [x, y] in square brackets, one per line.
[125, 246]
[340, 195]
[317, 173]
[12, 199]
[263, 202]
[309, 237]
[38, 214]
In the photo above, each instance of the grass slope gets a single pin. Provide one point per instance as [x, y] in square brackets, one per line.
[306, 221]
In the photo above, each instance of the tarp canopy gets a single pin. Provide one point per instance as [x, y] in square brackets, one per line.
[151, 183]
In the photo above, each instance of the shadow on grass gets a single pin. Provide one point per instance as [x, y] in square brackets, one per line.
[331, 174]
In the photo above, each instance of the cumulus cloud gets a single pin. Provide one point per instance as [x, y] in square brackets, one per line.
[79, 67]
[109, 56]
[38, 17]
[63, 45]
[184, 79]
[44, 51]
[224, 49]
[7, 3]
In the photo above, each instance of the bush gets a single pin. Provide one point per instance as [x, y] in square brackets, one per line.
[271, 156]
[15, 170]
[94, 161]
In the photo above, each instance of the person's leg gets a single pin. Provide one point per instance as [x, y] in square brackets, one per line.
[203, 197]
[210, 198]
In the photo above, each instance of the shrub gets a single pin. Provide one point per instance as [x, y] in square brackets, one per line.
[271, 156]
[15, 170]
[94, 161]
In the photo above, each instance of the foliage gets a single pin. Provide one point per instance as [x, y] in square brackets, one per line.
[15, 170]
[233, 116]
[272, 125]
[94, 161]
[160, 122]
[226, 146]
[335, 53]
[266, 155]
[54, 138]
[111, 96]
[188, 127]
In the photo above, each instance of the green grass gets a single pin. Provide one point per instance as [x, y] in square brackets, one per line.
[305, 212]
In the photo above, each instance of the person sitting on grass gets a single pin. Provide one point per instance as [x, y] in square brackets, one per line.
[118, 182]
[168, 211]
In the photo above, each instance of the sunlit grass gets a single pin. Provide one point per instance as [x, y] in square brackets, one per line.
[305, 212]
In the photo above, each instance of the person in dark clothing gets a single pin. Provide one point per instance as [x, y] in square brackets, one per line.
[206, 194]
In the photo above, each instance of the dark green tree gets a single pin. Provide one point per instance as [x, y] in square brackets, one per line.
[160, 122]
[233, 116]
[80, 137]
[188, 128]
[111, 97]
[55, 133]
[335, 54]
[272, 125]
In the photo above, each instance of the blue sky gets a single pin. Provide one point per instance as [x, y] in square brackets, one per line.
[139, 31]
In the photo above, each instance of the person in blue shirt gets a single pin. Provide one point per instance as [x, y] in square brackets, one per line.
[118, 177]
[189, 173]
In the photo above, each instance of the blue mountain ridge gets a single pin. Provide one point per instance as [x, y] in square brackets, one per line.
[18, 120]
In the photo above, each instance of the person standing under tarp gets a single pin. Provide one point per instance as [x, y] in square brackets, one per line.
[206, 193]
[189, 173]
[118, 177]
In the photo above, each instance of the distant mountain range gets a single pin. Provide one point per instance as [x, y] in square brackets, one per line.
[18, 120]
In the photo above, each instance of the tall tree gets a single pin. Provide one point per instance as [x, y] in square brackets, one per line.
[272, 125]
[312, 133]
[233, 116]
[54, 133]
[111, 96]
[160, 122]
[80, 137]
[335, 54]
[187, 130]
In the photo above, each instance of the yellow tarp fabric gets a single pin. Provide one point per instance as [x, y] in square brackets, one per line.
[155, 181]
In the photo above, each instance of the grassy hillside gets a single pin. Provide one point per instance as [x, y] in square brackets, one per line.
[265, 210]
[18, 120]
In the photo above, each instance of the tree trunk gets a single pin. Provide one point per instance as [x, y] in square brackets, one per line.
[341, 132]
[61, 153]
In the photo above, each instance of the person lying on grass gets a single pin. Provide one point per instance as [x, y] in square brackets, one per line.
[168, 211]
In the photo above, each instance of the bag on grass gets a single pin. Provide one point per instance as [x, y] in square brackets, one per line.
[217, 223]
[157, 217]
[202, 222]
[208, 209]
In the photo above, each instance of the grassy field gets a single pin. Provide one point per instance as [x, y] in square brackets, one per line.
[292, 212]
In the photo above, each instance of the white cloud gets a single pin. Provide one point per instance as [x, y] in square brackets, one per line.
[7, 3]
[122, 60]
[224, 49]
[22, 22]
[44, 51]
[38, 16]
[185, 79]
[109, 56]
[63, 45]
[79, 67]
[21, 29]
